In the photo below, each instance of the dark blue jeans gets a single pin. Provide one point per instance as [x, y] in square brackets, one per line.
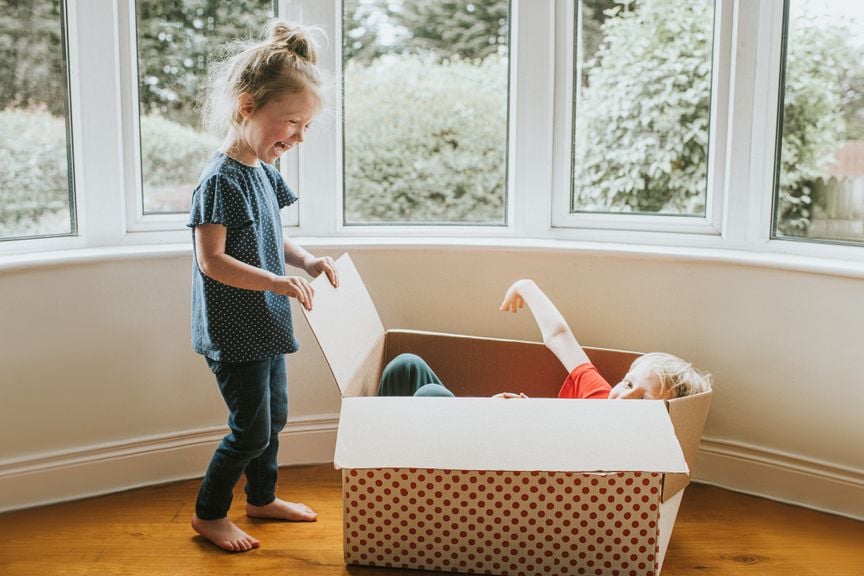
[256, 394]
[410, 375]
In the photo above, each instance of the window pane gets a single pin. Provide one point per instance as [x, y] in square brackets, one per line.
[425, 111]
[819, 188]
[642, 95]
[177, 40]
[36, 196]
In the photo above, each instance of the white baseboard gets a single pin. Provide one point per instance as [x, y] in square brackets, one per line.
[98, 470]
[779, 476]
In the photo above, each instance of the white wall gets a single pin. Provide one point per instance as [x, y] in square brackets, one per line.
[99, 388]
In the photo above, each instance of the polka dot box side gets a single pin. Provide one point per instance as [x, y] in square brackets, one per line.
[503, 522]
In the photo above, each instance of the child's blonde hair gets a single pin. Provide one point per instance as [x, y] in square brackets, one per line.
[285, 62]
[674, 374]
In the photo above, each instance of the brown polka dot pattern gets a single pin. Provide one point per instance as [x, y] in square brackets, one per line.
[507, 523]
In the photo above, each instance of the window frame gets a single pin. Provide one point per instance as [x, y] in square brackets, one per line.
[15, 244]
[781, 70]
[321, 167]
[711, 223]
[103, 93]
[137, 221]
[481, 229]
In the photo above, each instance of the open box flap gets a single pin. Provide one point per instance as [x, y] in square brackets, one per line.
[688, 416]
[668, 515]
[497, 434]
[345, 323]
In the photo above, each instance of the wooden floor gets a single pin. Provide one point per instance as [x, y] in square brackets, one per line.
[147, 531]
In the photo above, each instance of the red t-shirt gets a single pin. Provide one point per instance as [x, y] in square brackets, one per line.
[585, 382]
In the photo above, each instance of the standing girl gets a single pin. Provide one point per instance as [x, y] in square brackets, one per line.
[264, 98]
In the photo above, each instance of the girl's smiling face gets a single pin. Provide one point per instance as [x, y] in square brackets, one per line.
[271, 130]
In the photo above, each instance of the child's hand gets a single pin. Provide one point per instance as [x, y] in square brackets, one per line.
[295, 287]
[509, 395]
[316, 266]
[513, 300]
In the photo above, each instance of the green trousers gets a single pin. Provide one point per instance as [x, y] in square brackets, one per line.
[410, 375]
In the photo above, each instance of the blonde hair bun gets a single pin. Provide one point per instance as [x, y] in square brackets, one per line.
[284, 62]
[294, 38]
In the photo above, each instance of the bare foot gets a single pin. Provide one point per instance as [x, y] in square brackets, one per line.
[224, 534]
[282, 510]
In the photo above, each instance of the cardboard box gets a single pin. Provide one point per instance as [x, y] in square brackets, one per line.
[482, 485]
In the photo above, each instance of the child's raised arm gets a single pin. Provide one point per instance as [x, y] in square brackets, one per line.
[556, 333]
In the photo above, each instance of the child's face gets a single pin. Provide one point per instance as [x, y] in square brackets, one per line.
[639, 384]
[279, 125]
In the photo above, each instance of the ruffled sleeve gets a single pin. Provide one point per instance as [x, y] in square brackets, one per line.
[216, 200]
[284, 195]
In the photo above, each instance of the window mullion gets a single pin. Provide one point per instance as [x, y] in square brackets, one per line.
[720, 114]
[742, 80]
[763, 46]
[129, 120]
[753, 90]
[320, 156]
[531, 111]
[96, 107]
[562, 112]
[643, 99]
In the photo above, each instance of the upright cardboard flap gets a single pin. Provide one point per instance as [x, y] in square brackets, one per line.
[496, 434]
[668, 515]
[346, 324]
[688, 416]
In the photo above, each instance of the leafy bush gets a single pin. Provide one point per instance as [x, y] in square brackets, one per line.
[425, 141]
[426, 133]
[34, 193]
[172, 156]
[34, 181]
[31, 55]
[642, 121]
[642, 125]
[819, 60]
[177, 41]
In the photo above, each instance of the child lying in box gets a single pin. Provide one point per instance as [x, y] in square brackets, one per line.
[654, 376]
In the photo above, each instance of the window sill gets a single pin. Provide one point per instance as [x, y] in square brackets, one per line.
[751, 258]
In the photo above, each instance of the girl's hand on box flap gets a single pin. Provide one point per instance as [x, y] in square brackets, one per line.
[509, 395]
[295, 287]
[325, 265]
